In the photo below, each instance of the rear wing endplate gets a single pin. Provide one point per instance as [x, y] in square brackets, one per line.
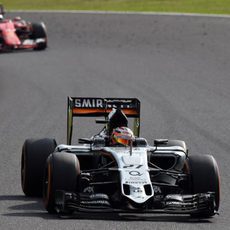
[101, 107]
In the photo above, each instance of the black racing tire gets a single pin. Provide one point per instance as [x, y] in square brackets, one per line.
[33, 160]
[1, 40]
[39, 31]
[205, 177]
[61, 173]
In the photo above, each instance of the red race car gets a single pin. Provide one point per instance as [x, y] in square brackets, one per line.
[20, 34]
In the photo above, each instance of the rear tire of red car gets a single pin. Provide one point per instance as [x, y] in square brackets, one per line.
[61, 173]
[33, 160]
[39, 31]
[205, 178]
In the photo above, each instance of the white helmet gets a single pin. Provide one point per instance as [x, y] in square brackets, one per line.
[1, 17]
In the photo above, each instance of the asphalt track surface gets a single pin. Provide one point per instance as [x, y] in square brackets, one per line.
[178, 67]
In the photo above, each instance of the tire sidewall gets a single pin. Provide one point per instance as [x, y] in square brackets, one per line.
[61, 173]
[33, 160]
[204, 176]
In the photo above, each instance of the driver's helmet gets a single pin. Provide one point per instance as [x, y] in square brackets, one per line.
[1, 17]
[17, 19]
[122, 135]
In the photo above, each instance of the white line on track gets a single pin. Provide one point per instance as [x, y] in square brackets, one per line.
[119, 12]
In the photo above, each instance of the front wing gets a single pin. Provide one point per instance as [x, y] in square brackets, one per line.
[26, 44]
[66, 202]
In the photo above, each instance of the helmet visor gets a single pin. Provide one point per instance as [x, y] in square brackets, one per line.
[123, 139]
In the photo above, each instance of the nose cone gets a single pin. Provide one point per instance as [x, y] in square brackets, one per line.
[138, 194]
[9, 35]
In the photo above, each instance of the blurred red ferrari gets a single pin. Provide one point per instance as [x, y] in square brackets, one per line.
[20, 34]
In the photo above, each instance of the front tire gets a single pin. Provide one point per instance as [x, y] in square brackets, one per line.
[61, 173]
[33, 160]
[39, 32]
[205, 178]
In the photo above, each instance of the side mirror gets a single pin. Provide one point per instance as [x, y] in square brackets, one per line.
[100, 121]
[85, 141]
[160, 142]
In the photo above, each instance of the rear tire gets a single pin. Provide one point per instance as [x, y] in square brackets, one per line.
[33, 160]
[39, 31]
[61, 173]
[205, 178]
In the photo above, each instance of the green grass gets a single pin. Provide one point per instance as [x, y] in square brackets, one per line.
[186, 6]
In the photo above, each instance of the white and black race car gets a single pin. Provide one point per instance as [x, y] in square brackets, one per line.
[102, 175]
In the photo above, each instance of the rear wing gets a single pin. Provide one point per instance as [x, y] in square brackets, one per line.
[101, 107]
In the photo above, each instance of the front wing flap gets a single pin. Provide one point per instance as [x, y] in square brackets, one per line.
[66, 202]
[195, 203]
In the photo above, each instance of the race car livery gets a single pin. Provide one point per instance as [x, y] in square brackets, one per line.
[20, 34]
[99, 175]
